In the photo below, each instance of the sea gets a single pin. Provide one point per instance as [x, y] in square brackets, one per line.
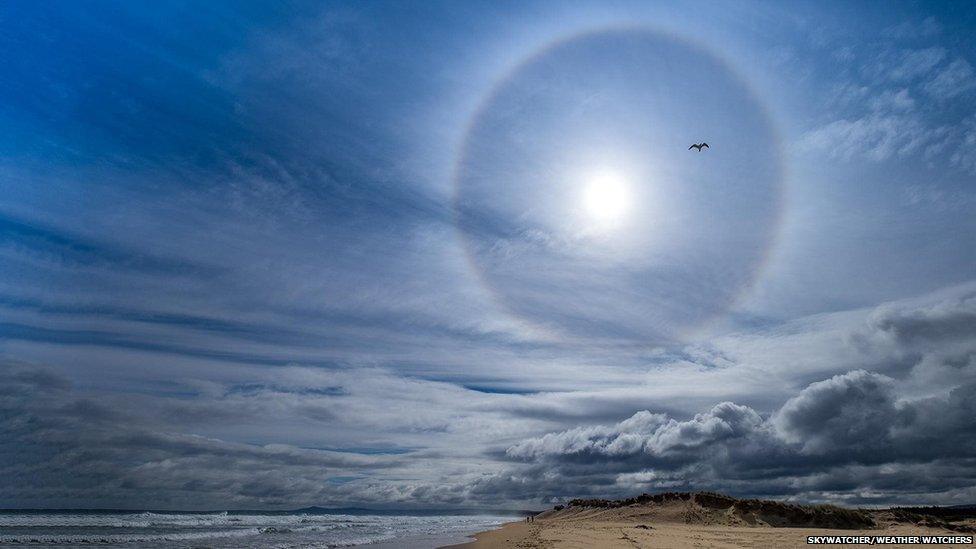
[237, 529]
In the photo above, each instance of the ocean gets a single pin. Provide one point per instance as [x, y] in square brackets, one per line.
[234, 529]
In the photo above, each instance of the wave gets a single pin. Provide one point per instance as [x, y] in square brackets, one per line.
[89, 539]
[224, 530]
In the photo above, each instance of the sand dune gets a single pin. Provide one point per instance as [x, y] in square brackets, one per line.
[682, 520]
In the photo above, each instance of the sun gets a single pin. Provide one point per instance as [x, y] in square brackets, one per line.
[606, 198]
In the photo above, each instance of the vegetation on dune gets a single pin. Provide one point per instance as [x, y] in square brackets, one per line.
[714, 508]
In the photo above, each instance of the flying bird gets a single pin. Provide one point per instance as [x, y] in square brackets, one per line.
[699, 146]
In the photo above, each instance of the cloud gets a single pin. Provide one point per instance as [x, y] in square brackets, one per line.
[944, 322]
[954, 79]
[876, 136]
[626, 438]
[893, 101]
[645, 433]
[925, 28]
[911, 64]
[843, 439]
[846, 410]
[849, 422]
[60, 447]
[902, 397]
[895, 106]
[964, 157]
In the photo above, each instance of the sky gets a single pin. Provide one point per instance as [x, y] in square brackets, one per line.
[457, 254]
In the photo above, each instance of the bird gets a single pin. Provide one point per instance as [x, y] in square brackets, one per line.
[699, 146]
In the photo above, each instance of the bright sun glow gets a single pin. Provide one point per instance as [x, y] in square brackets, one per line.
[606, 198]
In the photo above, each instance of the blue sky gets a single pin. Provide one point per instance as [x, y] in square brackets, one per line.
[249, 249]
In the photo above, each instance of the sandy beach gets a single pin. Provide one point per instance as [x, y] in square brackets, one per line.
[680, 525]
[607, 535]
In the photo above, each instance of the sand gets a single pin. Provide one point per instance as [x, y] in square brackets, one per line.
[606, 535]
[700, 520]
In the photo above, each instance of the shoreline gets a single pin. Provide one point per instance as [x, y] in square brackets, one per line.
[422, 541]
[506, 534]
[439, 540]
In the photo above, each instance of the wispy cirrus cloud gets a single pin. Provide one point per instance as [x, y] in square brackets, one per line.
[889, 98]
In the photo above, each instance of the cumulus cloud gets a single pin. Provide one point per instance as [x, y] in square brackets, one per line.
[627, 437]
[844, 411]
[850, 422]
[846, 438]
[644, 432]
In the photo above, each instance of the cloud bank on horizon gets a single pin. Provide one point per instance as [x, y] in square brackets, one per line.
[263, 256]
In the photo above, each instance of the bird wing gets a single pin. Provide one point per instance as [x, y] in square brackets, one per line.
[692, 147]
[705, 145]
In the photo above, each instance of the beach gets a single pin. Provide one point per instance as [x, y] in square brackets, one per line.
[700, 520]
[607, 535]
